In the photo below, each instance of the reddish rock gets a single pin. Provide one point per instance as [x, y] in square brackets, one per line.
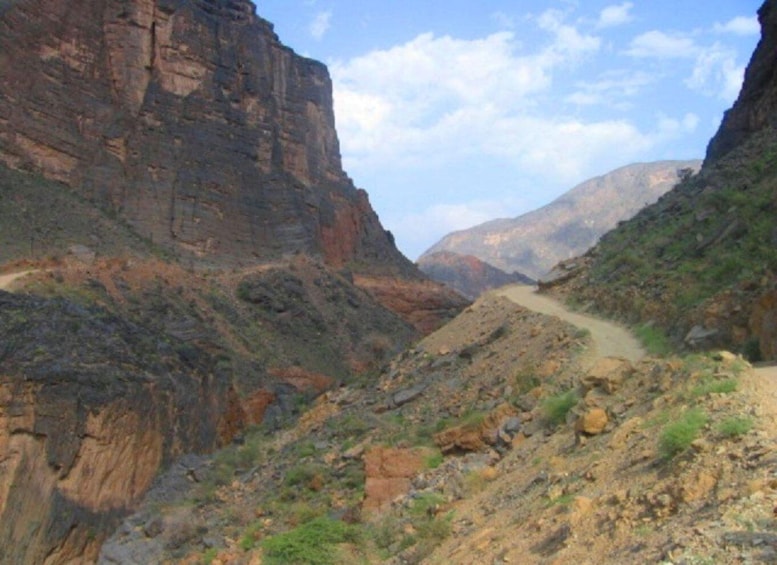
[388, 473]
[255, 406]
[424, 304]
[466, 273]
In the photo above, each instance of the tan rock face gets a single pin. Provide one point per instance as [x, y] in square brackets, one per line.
[593, 422]
[190, 120]
[90, 409]
[608, 373]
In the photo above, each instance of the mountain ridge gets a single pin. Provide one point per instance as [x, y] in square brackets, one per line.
[533, 242]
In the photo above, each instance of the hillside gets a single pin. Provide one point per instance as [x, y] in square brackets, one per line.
[700, 264]
[502, 437]
[467, 274]
[532, 243]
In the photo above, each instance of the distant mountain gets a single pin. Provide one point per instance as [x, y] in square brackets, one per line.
[568, 226]
[466, 273]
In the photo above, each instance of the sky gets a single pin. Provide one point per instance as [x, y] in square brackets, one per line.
[453, 113]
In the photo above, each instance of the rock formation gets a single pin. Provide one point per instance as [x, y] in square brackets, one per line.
[756, 106]
[90, 407]
[190, 120]
[183, 125]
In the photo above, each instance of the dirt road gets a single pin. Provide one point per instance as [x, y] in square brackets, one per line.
[610, 339]
[8, 279]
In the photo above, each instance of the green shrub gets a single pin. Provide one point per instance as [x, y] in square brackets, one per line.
[209, 556]
[555, 408]
[434, 460]
[653, 339]
[312, 543]
[678, 436]
[735, 426]
[716, 386]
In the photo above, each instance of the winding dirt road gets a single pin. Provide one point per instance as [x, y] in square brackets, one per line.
[609, 339]
[8, 279]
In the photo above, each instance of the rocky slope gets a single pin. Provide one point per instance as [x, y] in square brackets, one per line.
[499, 438]
[466, 273]
[172, 173]
[532, 243]
[700, 263]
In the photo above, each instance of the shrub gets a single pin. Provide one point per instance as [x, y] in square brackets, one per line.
[653, 339]
[735, 426]
[678, 436]
[312, 543]
[434, 460]
[555, 408]
[717, 386]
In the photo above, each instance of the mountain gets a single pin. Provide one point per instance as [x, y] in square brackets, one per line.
[503, 437]
[532, 243]
[699, 265]
[467, 274]
[199, 263]
[188, 120]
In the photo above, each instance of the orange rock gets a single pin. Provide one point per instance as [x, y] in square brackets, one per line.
[592, 422]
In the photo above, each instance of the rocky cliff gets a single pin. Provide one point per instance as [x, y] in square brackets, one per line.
[756, 106]
[532, 243]
[190, 120]
[90, 407]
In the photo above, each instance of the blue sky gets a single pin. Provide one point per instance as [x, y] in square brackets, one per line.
[452, 113]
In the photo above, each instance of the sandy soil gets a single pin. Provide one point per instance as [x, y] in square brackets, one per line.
[8, 279]
[610, 339]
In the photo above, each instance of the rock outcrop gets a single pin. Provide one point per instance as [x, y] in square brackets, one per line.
[90, 407]
[756, 106]
[190, 120]
[466, 273]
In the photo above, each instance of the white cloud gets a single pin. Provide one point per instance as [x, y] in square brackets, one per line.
[716, 73]
[320, 24]
[615, 15]
[569, 43]
[613, 88]
[657, 44]
[741, 25]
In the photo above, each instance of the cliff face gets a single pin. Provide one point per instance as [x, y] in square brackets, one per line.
[189, 119]
[756, 107]
[90, 407]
